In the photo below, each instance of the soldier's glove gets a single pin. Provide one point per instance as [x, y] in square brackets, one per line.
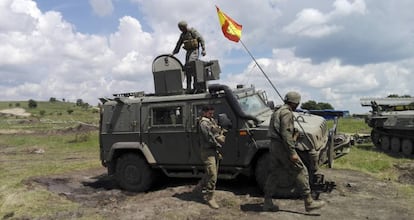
[203, 52]
[219, 156]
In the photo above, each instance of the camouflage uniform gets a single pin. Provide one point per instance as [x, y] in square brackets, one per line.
[192, 53]
[282, 147]
[209, 156]
[209, 146]
[283, 156]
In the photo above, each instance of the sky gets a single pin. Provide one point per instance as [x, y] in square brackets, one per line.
[334, 51]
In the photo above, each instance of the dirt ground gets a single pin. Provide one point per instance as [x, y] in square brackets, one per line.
[356, 196]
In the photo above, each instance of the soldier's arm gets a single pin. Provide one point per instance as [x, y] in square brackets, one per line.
[286, 129]
[178, 45]
[199, 38]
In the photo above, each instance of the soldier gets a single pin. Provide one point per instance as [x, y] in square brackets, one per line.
[210, 144]
[192, 41]
[283, 154]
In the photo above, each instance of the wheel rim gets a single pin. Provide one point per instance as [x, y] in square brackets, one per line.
[385, 143]
[395, 145]
[407, 147]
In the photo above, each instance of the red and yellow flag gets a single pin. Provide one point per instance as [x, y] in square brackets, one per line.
[231, 29]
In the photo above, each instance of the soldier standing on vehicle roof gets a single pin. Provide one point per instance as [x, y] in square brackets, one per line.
[283, 153]
[210, 144]
[192, 41]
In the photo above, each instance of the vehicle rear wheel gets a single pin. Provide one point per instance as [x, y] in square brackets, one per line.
[133, 173]
[385, 143]
[407, 147]
[262, 170]
[395, 145]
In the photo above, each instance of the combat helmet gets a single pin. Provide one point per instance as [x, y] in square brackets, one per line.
[182, 24]
[292, 97]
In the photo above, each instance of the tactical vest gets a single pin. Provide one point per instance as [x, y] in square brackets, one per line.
[190, 42]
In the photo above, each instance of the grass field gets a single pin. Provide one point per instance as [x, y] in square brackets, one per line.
[24, 155]
[62, 152]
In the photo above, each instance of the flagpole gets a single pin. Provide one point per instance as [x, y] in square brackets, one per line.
[258, 65]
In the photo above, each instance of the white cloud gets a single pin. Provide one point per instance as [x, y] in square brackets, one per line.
[330, 81]
[102, 7]
[311, 22]
[344, 51]
[345, 7]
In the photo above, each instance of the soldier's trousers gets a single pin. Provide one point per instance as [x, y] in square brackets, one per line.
[191, 55]
[209, 179]
[280, 159]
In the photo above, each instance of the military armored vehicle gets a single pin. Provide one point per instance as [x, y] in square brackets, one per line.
[142, 134]
[392, 123]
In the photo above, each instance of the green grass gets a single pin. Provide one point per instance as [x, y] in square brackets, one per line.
[63, 152]
[48, 115]
[351, 126]
[366, 158]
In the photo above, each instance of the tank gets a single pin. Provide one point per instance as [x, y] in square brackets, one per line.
[392, 123]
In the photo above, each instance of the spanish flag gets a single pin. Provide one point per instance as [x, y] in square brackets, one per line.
[231, 29]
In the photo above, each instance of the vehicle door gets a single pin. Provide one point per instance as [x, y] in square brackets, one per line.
[167, 136]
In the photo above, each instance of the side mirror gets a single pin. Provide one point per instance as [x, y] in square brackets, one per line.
[224, 121]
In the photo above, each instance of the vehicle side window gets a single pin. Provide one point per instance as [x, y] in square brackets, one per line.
[171, 115]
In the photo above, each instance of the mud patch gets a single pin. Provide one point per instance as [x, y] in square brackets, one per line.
[357, 196]
[406, 173]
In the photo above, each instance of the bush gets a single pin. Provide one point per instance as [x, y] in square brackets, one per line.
[32, 103]
[70, 111]
[42, 112]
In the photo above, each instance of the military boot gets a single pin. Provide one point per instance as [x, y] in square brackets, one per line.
[311, 204]
[211, 201]
[268, 205]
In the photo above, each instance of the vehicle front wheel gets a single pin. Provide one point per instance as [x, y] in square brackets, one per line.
[133, 173]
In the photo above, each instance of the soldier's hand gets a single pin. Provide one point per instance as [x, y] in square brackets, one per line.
[203, 52]
[219, 156]
[294, 158]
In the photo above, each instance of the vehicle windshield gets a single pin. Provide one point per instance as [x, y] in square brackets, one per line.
[252, 105]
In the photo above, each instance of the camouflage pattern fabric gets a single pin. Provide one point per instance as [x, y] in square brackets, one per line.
[282, 147]
[192, 52]
[209, 145]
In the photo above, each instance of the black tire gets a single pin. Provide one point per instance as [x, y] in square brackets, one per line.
[385, 143]
[395, 145]
[262, 170]
[407, 147]
[133, 173]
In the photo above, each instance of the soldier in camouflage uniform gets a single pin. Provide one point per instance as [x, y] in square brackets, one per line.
[192, 41]
[283, 154]
[210, 155]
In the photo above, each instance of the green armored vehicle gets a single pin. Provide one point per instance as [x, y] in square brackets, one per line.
[392, 123]
[142, 135]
